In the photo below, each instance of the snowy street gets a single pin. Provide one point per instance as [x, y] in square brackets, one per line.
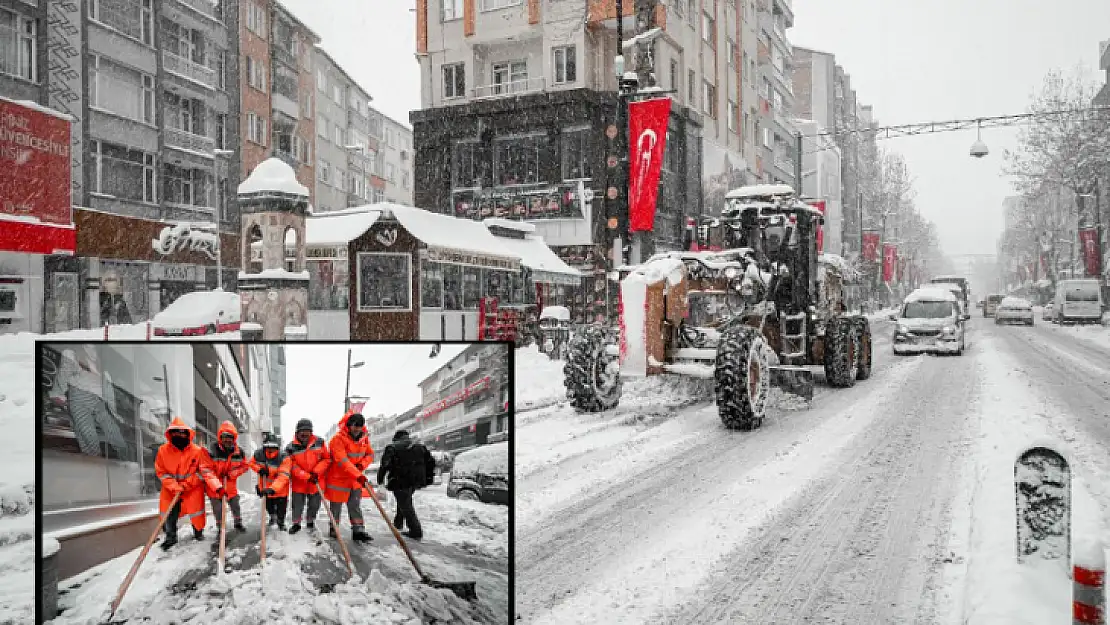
[306, 582]
[892, 501]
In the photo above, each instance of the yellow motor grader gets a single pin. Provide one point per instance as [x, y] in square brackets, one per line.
[752, 308]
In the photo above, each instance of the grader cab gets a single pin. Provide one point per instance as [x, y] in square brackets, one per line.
[752, 307]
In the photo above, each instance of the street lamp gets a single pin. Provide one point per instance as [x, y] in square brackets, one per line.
[166, 380]
[347, 392]
[219, 242]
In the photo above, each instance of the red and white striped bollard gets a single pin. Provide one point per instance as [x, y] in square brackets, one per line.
[1088, 593]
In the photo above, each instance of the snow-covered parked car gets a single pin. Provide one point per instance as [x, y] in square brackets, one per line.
[481, 474]
[930, 320]
[199, 313]
[1014, 310]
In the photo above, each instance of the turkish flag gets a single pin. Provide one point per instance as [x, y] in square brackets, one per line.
[1088, 240]
[871, 246]
[356, 406]
[890, 260]
[647, 126]
[820, 205]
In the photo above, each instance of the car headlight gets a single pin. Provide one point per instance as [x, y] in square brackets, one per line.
[903, 329]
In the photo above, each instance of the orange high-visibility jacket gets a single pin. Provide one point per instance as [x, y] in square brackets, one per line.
[308, 460]
[349, 459]
[228, 464]
[279, 474]
[187, 471]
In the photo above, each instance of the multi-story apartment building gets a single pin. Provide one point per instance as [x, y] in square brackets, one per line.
[278, 89]
[464, 401]
[392, 177]
[344, 149]
[777, 144]
[1103, 97]
[152, 101]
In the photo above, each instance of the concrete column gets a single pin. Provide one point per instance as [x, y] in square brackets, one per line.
[92, 294]
[154, 296]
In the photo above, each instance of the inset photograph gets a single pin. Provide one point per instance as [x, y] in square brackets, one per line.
[265, 482]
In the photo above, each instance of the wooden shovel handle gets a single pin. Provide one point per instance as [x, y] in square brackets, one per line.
[396, 534]
[223, 534]
[142, 556]
[342, 545]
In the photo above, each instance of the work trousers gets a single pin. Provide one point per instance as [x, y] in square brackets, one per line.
[299, 502]
[232, 502]
[406, 512]
[354, 508]
[276, 507]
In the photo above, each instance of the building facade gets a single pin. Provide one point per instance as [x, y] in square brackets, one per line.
[821, 180]
[345, 152]
[277, 82]
[105, 410]
[464, 401]
[776, 135]
[392, 176]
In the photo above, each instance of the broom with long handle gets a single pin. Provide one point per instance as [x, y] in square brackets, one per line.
[142, 556]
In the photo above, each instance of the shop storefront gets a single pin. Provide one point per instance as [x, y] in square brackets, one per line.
[39, 285]
[466, 401]
[105, 408]
[144, 266]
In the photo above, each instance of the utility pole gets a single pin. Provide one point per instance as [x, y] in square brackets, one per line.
[798, 163]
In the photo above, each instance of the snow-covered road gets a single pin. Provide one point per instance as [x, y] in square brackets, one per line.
[888, 502]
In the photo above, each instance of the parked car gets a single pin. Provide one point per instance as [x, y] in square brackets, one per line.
[990, 305]
[1047, 314]
[1014, 310]
[199, 313]
[481, 474]
[1078, 301]
[930, 320]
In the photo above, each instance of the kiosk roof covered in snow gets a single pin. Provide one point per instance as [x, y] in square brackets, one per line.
[273, 175]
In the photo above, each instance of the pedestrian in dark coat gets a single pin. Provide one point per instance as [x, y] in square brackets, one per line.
[408, 466]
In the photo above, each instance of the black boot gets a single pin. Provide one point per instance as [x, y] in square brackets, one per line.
[359, 535]
[281, 525]
[413, 536]
[295, 528]
[239, 526]
[198, 534]
[310, 526]
[169, 541]
[399, 523]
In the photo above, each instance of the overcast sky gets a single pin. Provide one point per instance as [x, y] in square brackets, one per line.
[316, 377]
[914, 60]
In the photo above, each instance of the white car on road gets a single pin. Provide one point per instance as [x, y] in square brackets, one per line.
[930, 320]
[1014, 310]
[199, 313]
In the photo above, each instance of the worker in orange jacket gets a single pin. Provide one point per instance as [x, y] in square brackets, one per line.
[351, 455]
[273, 468]
[228, 463]
[185, 468]
[310, 461]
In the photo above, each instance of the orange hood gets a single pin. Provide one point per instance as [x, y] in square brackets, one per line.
[228, 427]
[178, 424]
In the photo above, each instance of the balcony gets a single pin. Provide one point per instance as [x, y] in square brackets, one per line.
[189, 70]
[184, 140]
[780, 75]
[785, 123]
[207, 8]
[515, 87]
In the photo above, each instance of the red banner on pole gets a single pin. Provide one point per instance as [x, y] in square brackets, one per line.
[820, 205]
[1088, 240]
[647, 133]
[871, 246]
[890, 260]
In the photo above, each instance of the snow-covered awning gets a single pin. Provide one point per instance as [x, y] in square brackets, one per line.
[450, 235]
[545, 265]
[339, 227]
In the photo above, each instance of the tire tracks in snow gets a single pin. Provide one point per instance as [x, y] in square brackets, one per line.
[864, 544]
[601, 558]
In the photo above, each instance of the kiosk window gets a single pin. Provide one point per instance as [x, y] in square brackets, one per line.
[472, 287]
[452, 287]
[384, 281]
[431, 285]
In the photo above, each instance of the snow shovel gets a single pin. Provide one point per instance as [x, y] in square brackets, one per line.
[223, 535]
[262, 547]
[142, 556]
[342, 545]
[465, 590]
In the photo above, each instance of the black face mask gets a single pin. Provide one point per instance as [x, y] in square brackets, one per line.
[226, 443]
[355, 434]
[179, 441]
[304, 437]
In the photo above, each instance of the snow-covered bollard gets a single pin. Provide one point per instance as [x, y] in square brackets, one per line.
[1089, 584]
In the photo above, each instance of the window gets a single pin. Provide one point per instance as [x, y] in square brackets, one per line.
[187, 187]
[133, 18]
[123, 173]
[692, 87]
[405, 180]
[732, 114]
[709, 29]
[321, 80]
[221, 69]
[452, 10]
[454, 81]
[517, 159]
[256, 129]
[323, 171]
[391, 173]
[121, 90]
[471, 287]
[327, 285]
[677, 6]
[493, 5]
[465, 173]
[709, 100]
[691, 10]
[384, 281]
[339, 136]
[18, 46]
[256, 73]
[306, 105]
[340, 179]
[452, 287]
[674, 76]
[322, 126]
[256, 19]
[302, 150]
[576, 154]
[431, 285]
[510, 76]
[732, 52]
[337, 93]
[221, 131]
[566, 69]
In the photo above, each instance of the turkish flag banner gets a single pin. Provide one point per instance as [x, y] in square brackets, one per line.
[647, 137]
[871, 246]
[890, 259]
[1088, 240]
[820, 205]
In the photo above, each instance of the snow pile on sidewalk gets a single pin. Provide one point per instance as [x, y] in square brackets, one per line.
[477, 528]
[539, 379]
[1098, 335]
[998, 590]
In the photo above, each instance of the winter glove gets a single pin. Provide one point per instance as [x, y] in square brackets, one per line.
[362, 480]
[173, 487]
[269, 492]
[258, 489]
[314, 479]
[221, 493]
[264, 470]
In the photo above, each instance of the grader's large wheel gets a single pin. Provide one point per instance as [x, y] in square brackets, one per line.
[841, 352]
[591, 377]
[743, 378]
[863, 333]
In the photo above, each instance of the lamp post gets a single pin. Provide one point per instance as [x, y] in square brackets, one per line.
[166, 380]
[347, 392]
[223, 154]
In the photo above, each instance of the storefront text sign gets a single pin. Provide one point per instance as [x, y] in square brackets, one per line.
[34, 165]
[461, 258]
[456, 398]
[230, 396]
[184, 237]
